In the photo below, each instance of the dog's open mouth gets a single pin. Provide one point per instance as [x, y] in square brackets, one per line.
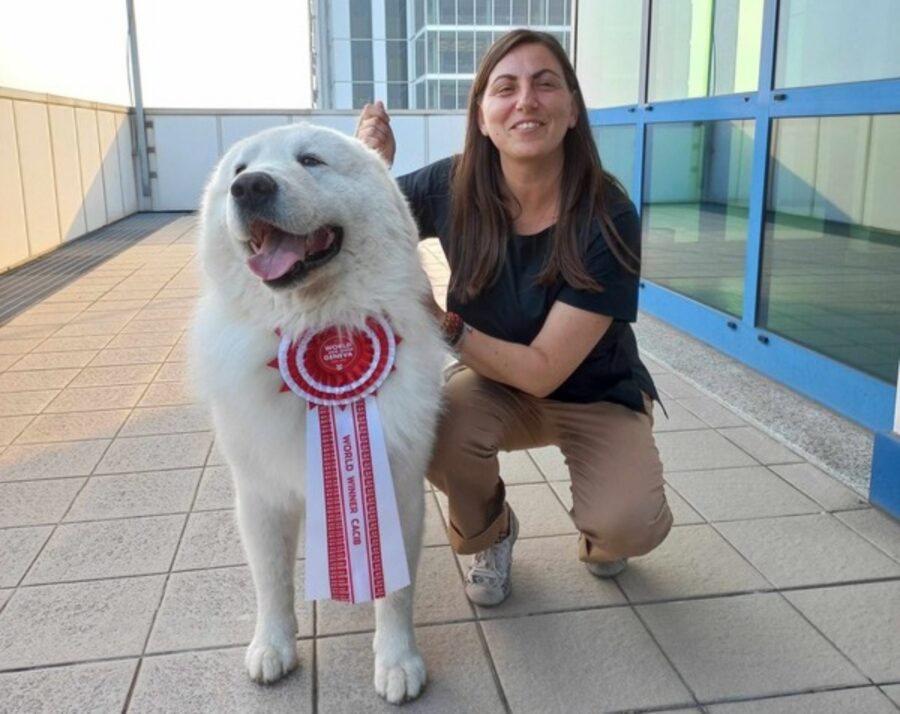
[281, 258]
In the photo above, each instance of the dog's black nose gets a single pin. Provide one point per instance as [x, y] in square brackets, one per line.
[253, 190]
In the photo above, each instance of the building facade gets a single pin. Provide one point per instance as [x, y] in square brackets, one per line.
[415, 54]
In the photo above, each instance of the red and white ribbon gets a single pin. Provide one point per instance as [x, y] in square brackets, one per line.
[354, 542]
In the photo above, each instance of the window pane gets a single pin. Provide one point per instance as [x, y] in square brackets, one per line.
[482, 42]
[466, 10]
[420, 55]
[483, 12]
[831, 256]
[538, 14]
[448, 12]
[420, 96]
[448, 52]
[448, 94]
[434, 65]
[361, 58]
[396, 60]
[420, 14]
[395, 19]
[608, 53]
[363, 93]
[701, 48]
[465, 44]
[398, 96]
[501, 12]
[558, 11]
[520, 12]
[434, 101]
[831, 41]
[616, 146]
[361, 20]
[462, 93]
[696, 192]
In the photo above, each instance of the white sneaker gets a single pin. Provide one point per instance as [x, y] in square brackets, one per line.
[607, 570]
[487, 582]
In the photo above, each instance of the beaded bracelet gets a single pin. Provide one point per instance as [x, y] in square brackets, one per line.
[453, 328]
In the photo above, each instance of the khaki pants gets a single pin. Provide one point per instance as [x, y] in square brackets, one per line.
[619, 505]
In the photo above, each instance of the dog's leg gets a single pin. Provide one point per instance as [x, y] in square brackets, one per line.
[269, 533]
[399, 668]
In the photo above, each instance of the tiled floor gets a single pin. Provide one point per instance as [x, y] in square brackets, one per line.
[123, 585]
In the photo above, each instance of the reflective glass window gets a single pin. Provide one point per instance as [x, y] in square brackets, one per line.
[694, 216]
[616, 145]
[608, 53]
[831, 251]
[702, 48]
[502, 12]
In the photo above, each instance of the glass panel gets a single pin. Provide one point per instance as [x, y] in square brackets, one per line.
[831, 251]
[702, 48]
[520, 12]
[420, 55]
[538, 15]
[609, 52]
[559, 12]
[398, 96]
[395, 19]
[361, 21]
[420, 14]
[448, 52]
[466, 10]
[420, 96]
[396, 60]
[434, 101]
[616, 145]
[831, 41]
[696, 192]
[462, 93]
[363, 93]
[483, 12]
[501, 12]
[448, 12]
[361, 59]
[465, 52]
[448, 94]
[433, 57]
[482, 42]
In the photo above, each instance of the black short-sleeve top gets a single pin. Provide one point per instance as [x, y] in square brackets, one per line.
[515, 306]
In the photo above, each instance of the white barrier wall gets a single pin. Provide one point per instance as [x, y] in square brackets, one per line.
[67, 167]
[185, 146]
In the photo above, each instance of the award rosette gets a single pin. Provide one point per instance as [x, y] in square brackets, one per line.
[354, 542]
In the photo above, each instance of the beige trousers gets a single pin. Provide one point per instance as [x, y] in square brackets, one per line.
[618, 503]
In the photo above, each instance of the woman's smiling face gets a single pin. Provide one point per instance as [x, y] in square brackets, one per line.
[527, 108]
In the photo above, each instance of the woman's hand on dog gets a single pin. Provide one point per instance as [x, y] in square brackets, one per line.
[374, 130]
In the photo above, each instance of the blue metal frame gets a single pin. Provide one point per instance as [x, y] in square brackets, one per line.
[856, 395]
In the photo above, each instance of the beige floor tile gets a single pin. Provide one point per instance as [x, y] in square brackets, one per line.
[459, 674]
[215, 456]
[679, 419]
[842, 701]
[57, 460]
[154, 453]
[73, 426]
[179, 353]
[819, 486]
[435, 531]
[215, 608]
[701, 449]
[25, 332]
[110, 376]
[73, 344]
[162, 394]
[135, 494]
[11, 427]
[517, 467]
[737, 493]
[83, 399]
[167, 420]
[761, 447]
[20, 403]
[173, 372]
[746, 646]
[211, 539]
[107, 328]
[682, 513]
[862, 621]
[550, 461]
[145, 339]
[692, 561]
[130, 355]
[36, 379]
[7, 361]
[439, 599]
[675, 387]
[92, 620]
[16, 347]
[547, 576]
[140, 325]
[114, 304]
[217, 681]
[875, 527]
[53, 360]
[539, 511]
[108, 549]
[589, 661]
[18, 547]
[94, 687]
[807, 550]
[216, 489]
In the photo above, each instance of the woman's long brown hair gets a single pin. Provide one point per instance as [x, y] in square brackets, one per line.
[479, 217]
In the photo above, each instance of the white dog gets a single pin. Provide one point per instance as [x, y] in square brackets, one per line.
[302, 229]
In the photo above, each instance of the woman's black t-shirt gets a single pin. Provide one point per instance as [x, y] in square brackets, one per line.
[515, 306]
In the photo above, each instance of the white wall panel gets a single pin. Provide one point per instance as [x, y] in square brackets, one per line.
[127, 164]
[446, 135]
[412, 151]
[13, 231]
[342, 122]
[112, 178]
[235, 128]
[186, 152]
[33, 129]
[67, 170]
[91, 168]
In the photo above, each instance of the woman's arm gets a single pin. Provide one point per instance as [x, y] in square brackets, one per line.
[565, 340]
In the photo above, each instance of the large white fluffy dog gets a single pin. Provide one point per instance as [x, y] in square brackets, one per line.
[303, 228]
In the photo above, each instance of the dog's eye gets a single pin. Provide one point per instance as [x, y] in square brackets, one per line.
[239, 168]
[309, 160]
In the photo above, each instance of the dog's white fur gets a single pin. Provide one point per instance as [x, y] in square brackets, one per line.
[260, 430]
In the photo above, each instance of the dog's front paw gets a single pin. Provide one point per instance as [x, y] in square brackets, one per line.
[268, 661]
[400, 679]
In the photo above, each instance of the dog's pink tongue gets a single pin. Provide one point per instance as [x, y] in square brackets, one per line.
[278, 254]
